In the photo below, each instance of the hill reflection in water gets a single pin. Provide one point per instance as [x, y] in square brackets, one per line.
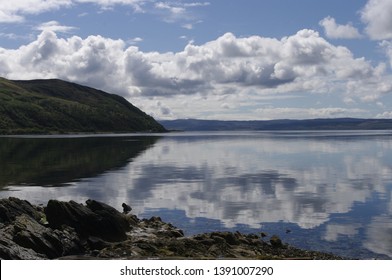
[58, 161]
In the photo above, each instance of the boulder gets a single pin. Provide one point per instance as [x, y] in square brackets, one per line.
[28, 233]
[12, 207]
[9, 250]
[276, 242]
[229, 237]
[96, 219]
[27, 239]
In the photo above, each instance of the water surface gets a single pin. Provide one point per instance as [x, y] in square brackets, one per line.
[328, 191]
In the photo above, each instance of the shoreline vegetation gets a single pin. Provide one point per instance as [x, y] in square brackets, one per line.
[95, 230]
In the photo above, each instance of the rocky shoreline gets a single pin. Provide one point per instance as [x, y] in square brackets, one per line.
[95, 230]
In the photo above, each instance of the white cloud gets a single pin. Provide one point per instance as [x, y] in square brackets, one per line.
[173, 9]
[377, 15]
[337, 31]
[135, 41]
[55, 27]
[14, 11]
[227, 70]
[177, 11]
[387, 46]
[136, 5]
[13, 36]
[385, 115]
[188, 26]
[9, 17]
[197, 4]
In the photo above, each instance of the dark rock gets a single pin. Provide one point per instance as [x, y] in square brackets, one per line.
[252, 236]
[126, 208]
[30, 234]
[9, 250]
[177, 233]
[218, 239]
[276, 242]
[73, 214]
[207, 241]
[95, 219]
[155, 219]
[70, 241]
[229, 237]
[13, 207]
[26, 238]
[111, 218]
[133, 220]
[148, 247]
[96, 243]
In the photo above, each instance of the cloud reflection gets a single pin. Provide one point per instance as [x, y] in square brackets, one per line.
[254, 179]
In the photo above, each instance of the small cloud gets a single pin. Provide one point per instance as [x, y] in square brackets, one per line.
[54, 26]
[174, 10]
[11, 36]
[197, 4]
[82, 15]
[135, 41]
[338, 31]
[188, 26]
[177, 11]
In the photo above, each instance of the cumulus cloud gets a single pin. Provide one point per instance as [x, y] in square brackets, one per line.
[337, 31]
[93, 61]
[387, 46]
[377, 16]
[241, 68]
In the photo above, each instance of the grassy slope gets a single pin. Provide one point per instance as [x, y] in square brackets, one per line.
[55, 106]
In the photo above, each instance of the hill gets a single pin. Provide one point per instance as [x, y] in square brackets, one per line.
[56, 106]
[312, 124]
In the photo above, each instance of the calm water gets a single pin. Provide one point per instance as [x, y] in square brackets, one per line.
[329, 191]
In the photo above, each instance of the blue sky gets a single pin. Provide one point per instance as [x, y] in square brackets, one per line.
[222, 59]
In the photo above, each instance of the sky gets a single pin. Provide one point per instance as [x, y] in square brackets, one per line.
[217, 59]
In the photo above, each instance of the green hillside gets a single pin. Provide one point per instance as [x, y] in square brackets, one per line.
[55, 106]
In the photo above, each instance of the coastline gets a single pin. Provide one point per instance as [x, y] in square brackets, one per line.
[69, 230]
